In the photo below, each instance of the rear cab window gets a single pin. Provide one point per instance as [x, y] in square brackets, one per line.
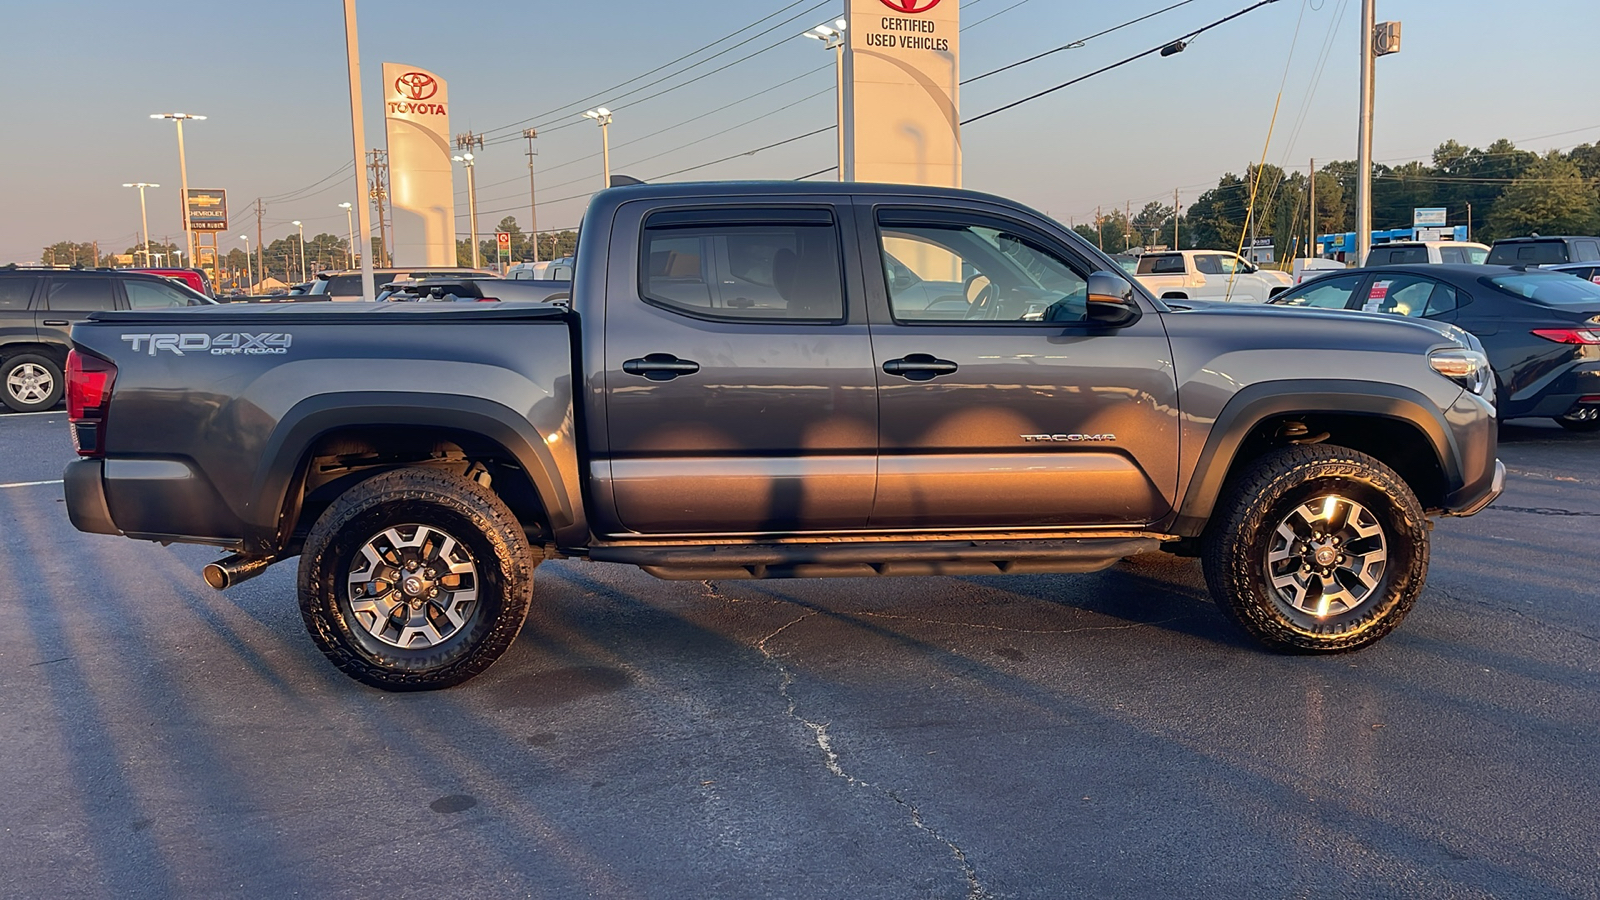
[1161, 264]
[744, 263]
[1536, 253]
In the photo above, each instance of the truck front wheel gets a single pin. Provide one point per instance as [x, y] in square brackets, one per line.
[415, 579]
[1317, 549]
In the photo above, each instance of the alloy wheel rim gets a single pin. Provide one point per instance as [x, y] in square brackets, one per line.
[1327, 556]
[30, 383]
[412, 587]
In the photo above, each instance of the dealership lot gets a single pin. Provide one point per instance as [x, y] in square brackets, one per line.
[1105, 734]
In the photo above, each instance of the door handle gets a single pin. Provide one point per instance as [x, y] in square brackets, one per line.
[56, 322]
[919, 367]
[660, 366]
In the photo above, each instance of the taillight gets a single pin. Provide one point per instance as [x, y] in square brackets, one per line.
[1569, 335]
[488, 299]
[89, 380]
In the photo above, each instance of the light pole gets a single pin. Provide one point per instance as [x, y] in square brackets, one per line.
[533, 198]
[832, 37]
[247, 276]
[350, 225]
[472, 202]
[1376, 40]
[602, 117]
[144, 218]
[296, 223]
[183, 174]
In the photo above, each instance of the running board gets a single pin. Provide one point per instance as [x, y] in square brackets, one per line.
[721, 562]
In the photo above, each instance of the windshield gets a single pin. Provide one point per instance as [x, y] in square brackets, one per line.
[1552, 288]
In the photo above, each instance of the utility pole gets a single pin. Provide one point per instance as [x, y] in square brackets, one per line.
[1175, 209]
[379, 193]
[1099, 228]
[1127, 224]
[261, 247]
[1469, 221]
[1311, 184]
[465, 142]
[1364, 136]
[533, 201]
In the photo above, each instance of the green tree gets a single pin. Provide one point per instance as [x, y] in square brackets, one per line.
[1551, 196]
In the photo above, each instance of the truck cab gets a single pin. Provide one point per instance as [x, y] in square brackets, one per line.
[1208, 275]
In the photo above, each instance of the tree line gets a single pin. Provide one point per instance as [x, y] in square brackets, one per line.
[1499, 190]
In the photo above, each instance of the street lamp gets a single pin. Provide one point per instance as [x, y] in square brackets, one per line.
[350, 225]
[246, 239]
[472, 201]
[296, 223]
[832, 37]
[144, 219]
[183, 174]
[602, 117]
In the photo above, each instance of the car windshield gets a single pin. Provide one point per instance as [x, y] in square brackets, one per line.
[1551, 288]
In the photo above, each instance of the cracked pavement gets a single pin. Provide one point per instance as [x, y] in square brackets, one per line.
[1031, 736]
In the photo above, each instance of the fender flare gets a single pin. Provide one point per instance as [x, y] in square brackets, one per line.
[310, 419]
[1250, 406]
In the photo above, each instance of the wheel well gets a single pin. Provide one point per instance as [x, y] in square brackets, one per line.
[1396, 443]
[54, 352]
[338, 460]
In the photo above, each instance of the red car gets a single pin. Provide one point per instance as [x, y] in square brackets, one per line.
[194, 278]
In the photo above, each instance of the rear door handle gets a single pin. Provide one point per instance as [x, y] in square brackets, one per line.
[56, 322]
[660, 366]
[919, 367]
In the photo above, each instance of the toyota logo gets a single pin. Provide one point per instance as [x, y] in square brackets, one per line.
[911, 6]
[421, 85]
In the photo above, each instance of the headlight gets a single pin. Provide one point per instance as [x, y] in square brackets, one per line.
[1468, 368]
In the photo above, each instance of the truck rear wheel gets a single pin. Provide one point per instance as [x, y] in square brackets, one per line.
[1317, 549]
[415, 579]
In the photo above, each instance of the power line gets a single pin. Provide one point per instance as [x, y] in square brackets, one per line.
[1068, 46]
[736, 32]
[1103, 69]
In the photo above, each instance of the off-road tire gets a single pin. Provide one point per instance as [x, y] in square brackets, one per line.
[1247, 515]
[37, 363]
[1580, 426]
[463, 509]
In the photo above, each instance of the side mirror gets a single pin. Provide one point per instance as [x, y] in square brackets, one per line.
[1111, 301]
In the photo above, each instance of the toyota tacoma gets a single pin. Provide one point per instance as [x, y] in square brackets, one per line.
[778, 381]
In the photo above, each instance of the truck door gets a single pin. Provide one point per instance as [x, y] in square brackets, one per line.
[739, 389]
[1007, 408]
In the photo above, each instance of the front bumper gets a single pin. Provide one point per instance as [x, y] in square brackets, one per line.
[1472, 500]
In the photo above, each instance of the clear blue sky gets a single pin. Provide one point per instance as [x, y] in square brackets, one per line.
[83, 77]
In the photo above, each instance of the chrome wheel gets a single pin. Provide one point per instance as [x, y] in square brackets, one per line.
[1327, 556]
[412, 586]
[30, 383]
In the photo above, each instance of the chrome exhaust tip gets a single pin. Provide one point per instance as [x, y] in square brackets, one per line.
[231, 570]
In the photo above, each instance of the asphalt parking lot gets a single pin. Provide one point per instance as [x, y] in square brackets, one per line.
[1103, 735]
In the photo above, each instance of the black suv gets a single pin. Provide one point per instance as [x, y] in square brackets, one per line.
[1543, 251]
[39, 306]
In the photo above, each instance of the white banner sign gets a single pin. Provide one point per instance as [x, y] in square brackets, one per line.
[902, 95]
[416, 118]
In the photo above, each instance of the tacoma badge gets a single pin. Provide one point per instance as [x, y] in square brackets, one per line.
[1067, 438]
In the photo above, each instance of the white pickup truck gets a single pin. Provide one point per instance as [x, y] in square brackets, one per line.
[1208, 275]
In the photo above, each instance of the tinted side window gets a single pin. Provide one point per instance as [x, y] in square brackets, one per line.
[1167, 264]
[1409, 295]
[1209, 264]
[80, 294]
[1542, 252]
[1452, 255]
[1586, 251]
[1327, 292]
[785, 265]
[15, 291]
[344, 284]
[943, 272]
[150, 295]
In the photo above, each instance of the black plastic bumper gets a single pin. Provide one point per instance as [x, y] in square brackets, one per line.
[86, 497]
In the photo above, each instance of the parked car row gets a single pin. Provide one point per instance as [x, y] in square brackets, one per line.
[39, 306]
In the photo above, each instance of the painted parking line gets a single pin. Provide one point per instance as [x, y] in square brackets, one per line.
[42, 412]
[17, 484]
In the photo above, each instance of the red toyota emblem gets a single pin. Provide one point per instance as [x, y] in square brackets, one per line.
[421, 85]
[911, 6]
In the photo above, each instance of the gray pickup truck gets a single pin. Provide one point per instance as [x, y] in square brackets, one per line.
[784, 380]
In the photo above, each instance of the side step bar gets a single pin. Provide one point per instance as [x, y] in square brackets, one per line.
[749, 561]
